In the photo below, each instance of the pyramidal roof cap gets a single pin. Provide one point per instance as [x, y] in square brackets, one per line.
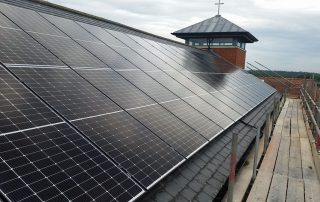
[216, 26]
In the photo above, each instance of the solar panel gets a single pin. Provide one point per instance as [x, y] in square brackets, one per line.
[109, 56]
[171, 84]
[19, 48]
[117, 88]
[212, 113]
[67, 92]
[142, 154]
[71, 28]
[20, 109]
[6, 23]
[29, 20]
[55, 163]
[193, 118]
[173, 131]
[136, 107]
[149, 85]
[69, 51]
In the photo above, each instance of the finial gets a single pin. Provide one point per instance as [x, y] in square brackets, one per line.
[219, 4]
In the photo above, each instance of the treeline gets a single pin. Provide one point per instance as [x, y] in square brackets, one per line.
[286, 74]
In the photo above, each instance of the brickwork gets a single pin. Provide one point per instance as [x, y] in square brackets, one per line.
[236, 56]
[277, 83]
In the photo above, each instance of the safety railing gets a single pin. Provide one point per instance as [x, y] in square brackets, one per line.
[313, 113]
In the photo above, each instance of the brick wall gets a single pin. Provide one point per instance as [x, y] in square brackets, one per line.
[277, 83]
[236, 56]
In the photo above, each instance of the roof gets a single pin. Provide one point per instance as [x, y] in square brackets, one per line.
[216, 26]
[203, 177]
[94, 110]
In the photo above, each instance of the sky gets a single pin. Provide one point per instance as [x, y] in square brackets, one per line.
[288, 30]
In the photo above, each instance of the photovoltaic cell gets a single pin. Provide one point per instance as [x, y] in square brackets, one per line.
[70, 28]
[17, 47]
[102, 34]
[29, 20]
[145, 53]
[108, 56]
[117, 88]
[186, 82]
[230, 102]
[69, 51]
[66, 91]
[212, 113]
[171, 84]
[193, 118]
[6, 23]
[149, 86]
[223, 107]
[135, 59]
[154, 49]
[133, 146]
[19, 108]
[173, 131]
[56, 164]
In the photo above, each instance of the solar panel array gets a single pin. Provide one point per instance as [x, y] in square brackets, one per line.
[89, 113]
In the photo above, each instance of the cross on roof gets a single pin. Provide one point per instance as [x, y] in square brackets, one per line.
[219, 4]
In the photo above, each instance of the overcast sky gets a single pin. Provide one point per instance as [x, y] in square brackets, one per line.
[288, 30]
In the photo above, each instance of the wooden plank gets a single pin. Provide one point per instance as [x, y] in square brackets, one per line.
[294, 120]
[295, 191]
[301, 124]
[312, 190]
[308, 168]
[278, 188]
[282, 163]
[260, 188]
[311, 184]
[295, 169]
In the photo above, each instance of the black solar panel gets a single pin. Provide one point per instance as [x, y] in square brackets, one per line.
[17, 47]
[129, 143]
[117, 88]
[66, 91]
[69, 51]
[173, 131]
[193, 118]
[56, 164]
[29, 20]
[171, 84]
[212, 113]
[149, 86]
[136, 107]
[19, 108]
[70, 28]
[108, 55]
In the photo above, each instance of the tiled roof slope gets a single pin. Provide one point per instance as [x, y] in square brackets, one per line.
[202, 177]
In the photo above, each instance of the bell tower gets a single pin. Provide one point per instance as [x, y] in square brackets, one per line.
[221, 36]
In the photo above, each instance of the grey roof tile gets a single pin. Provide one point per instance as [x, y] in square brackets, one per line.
[203, 197]
[173, 188]
[180, 198]
[210, 190]
[181, 181]
[188, 174]
[188, 194]
[206, 172]
[163, 197]
[194, 167]
[195, 185]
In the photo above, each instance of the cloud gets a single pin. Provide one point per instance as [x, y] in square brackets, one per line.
[287, 29]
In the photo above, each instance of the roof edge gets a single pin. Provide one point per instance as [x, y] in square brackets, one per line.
[57, 6]
[246, 35]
